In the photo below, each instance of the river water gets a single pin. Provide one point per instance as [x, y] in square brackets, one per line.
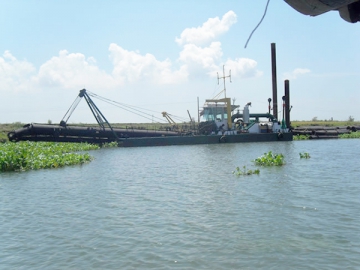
[180, 207]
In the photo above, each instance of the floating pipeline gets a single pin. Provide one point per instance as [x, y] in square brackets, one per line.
[135, 138]
[59, 133]
[324, 132]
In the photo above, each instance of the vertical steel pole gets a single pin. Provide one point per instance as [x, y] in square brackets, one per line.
[274, 83]
[287, 103]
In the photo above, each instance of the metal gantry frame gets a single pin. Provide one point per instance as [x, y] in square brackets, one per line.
[100, 118]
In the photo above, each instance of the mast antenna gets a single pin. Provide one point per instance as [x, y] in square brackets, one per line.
[224, 77]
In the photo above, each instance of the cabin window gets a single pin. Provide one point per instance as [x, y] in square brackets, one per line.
[217, 113]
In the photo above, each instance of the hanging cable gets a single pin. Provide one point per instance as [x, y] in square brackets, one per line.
[133, 109]
[115, 102]
[267, 4]
[71, 109]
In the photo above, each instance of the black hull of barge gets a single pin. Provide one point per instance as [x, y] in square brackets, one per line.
[206, 139]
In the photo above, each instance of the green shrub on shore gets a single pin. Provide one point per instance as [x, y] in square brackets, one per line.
[25, 155]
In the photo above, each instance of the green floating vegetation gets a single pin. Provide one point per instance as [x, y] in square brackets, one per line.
[301, 137]
[351, 135]
[25, 155]
[304, 155]
[238, 171]
[270, 159]
[109, 145]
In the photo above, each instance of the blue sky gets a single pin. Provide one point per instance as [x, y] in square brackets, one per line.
[163, 55]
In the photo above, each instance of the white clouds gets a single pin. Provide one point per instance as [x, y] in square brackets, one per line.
[130, 66]
[211, 29]
[205, 58]
[243, 68]
[295, 73]
[14, 74]
[72, 71]
[200, 53]
[66, 71]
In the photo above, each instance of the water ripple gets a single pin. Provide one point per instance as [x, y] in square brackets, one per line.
[182, 208]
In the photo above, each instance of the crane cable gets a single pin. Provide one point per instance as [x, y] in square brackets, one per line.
[125, 107]
[130, 108]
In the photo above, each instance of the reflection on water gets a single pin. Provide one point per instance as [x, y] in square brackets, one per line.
[181, 207]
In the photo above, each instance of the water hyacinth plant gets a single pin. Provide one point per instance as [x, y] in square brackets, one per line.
[238, 171]
[270, 159]
[351, 135]
[109, 145]
[24, 156]
[301, 137]
[304, 155]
